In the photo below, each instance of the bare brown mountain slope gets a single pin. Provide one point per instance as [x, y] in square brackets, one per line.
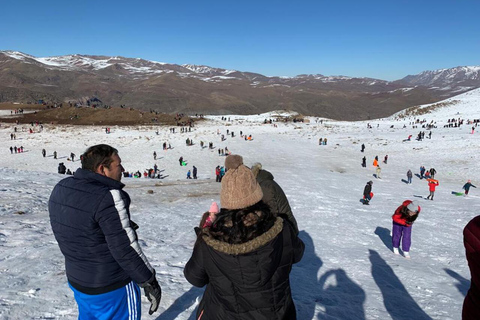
[87, 116]
[168, 88]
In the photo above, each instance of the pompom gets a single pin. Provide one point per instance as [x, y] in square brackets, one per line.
[233, 161]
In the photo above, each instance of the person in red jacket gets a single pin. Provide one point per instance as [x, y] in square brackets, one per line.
[403, 219]
[471, 241]
[432, 184]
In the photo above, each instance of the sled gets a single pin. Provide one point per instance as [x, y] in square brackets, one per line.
[371, 195]
[432, 180]
[457, 193]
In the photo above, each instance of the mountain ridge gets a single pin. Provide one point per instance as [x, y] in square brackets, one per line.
[189, 88]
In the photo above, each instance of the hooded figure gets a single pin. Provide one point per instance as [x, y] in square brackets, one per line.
[246, 256]
[273, 195]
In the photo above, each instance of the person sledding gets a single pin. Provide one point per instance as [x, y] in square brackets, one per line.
[403, 219]
[367, 192]
[467, 186]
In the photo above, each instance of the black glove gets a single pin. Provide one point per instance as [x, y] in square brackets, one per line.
[153, 292]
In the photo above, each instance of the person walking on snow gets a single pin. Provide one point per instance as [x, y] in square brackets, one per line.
[432, 184]
[467, 186]
[364, 162]
[386, 159]
[378, 172]
[194, 172]
[189, 175]
[403, 219]
[363, 147]
[409, 176]
[367, 192]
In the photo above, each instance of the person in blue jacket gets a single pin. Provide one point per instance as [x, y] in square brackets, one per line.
[90, 218]
[467, 186]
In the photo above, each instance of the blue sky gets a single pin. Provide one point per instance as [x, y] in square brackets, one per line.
[386, 39]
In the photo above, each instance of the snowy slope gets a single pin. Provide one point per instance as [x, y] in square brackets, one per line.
[348, 271]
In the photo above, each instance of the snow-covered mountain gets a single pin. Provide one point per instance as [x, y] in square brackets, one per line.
[165, 87]
[459, 78]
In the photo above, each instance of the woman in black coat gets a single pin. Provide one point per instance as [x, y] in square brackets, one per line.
[245, 257]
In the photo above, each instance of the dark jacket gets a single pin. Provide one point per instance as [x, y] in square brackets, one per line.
[275, 198]
[249, 280]
[367, 190]
[471, 240]
[61, 168]
[90, 218]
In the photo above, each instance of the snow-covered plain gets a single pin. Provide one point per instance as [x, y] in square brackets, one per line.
[348, 270]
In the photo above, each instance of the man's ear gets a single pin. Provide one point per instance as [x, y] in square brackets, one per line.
[101, 170]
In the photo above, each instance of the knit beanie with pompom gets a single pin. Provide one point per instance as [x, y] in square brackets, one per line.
[240, 189]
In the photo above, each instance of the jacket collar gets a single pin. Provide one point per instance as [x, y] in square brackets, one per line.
[93, 176]
[249, 246]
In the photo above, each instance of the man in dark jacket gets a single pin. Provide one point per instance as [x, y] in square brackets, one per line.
[367, 192]
[90, 218]
[471, 240]
[273, 195]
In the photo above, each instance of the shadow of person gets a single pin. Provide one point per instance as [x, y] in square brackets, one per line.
[304, 279]
[398, 302]
[184, 302]
[384, 235]
[463, 284]
[344, 300]
[404, 181]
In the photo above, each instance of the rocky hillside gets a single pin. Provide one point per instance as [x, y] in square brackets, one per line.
[169, 88]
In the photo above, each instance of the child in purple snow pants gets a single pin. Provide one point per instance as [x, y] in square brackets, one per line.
[404, 233]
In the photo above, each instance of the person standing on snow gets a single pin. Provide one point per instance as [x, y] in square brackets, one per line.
[363, 148]
[467, 186]
[403, 219]
[90, 218]
[432, 173]
[194, 172]
[471, 242]
[378, 172]
[409, 176]
[364, 162]
[422, 172]
[273, 195]
[367, 191]
[432, 184]
[245, 258]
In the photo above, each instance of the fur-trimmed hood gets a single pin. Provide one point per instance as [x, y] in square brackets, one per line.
[243, 248]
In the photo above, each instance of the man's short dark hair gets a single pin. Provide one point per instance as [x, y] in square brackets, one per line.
[95, 156]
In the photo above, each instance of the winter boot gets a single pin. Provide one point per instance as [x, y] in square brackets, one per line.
[406, 254]
[395, 250]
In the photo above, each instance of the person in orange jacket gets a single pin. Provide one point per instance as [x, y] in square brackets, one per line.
[432, 184]
[403, 219]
